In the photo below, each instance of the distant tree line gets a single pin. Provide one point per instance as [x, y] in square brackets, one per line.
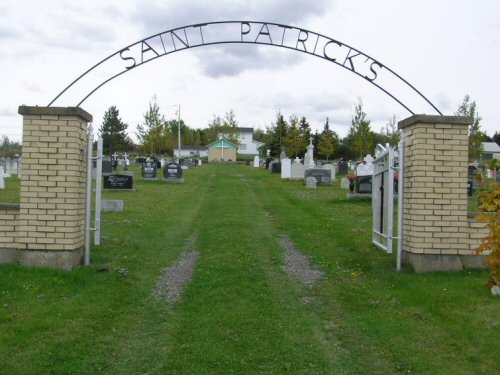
[158, 135]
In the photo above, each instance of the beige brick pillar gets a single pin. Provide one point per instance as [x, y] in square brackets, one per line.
[52, 206]
[435, 221]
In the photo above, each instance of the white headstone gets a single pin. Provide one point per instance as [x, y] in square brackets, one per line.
[256, 161]
[2, 176]
[309, 156]
[199, 162]
[344, 183]
[365, 168]
[286, 168]
[163, 162]
[311, 182]
[297, 171]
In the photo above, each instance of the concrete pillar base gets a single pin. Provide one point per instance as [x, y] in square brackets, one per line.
[437, 262]
[62, 259]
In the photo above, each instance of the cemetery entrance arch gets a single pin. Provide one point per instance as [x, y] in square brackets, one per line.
[47, 229]
[248, 32]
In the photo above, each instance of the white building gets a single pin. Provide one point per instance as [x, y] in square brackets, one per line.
[490, 151]
[246, 144]
[192, 151]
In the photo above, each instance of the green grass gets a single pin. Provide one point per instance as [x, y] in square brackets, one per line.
[241, 313]
[10, 194]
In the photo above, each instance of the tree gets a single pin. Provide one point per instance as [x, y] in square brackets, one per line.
[305, 133]
[9, 148]
[278, 135]
[360, 131]
[151, 131]
[327, 141]
[496, 138]
[476, 136]
[392, 132]
[295, 144]
[114, 132]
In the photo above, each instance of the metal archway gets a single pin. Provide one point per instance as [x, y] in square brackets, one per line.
[249, 32]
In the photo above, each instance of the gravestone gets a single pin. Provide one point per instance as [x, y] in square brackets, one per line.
[276, 167]
[172, 172]
[331, 168]
[268, 161]
[344, 183]
[111, 205]
[470, 186]
[364, 173]
[149, 169]
[297, 171]
[256, 161]
[270, 166]
[119, 182]
[342, 167]
[107, 166]
[363, 184]
[311, 182]
[286, 168]
[309, 156]
[126, 161]
[322, 176]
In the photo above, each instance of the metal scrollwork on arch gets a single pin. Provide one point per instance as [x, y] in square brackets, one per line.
[246, 32]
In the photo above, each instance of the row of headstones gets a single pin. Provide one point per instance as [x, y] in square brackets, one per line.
[9, 167]
[323, 174]
[172, 172]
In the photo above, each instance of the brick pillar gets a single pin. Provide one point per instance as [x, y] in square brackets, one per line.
[435, 221]
[51, 230]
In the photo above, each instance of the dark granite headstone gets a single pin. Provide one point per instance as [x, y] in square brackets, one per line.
[470, 187]
[107, 167]
[173, 172]
[322, 176]
[119, 182]
[276, 167]
[343, 167]
[363, 184]
[149, 169]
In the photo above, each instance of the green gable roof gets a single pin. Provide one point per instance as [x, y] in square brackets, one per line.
[222, 143]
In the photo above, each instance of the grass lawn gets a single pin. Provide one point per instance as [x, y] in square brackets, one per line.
[242, 314]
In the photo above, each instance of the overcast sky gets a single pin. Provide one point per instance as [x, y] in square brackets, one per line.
[446, 49]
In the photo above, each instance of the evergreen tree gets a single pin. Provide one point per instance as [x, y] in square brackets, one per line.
[476, 136]
[113, 131]
[496, 138]
[305, 133]
[279, 131]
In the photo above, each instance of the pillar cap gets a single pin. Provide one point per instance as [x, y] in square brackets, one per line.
[55, 111]
[433, 119]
